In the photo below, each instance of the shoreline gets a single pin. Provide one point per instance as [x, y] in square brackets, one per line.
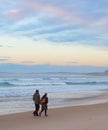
[84, 117]
[100, 98]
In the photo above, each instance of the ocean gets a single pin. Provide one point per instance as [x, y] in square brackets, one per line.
[64, 89]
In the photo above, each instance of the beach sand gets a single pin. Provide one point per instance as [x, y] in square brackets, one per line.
[88, 117]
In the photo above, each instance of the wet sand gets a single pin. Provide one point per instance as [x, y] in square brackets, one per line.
[88, 117]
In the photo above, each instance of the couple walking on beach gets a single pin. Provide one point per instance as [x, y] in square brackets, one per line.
[40, 101]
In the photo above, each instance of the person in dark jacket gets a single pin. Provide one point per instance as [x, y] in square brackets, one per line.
[44, 106]
[36, 99]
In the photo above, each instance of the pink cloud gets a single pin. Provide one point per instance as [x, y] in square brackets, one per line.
[31, 7]
[59, 12]
[13, 14]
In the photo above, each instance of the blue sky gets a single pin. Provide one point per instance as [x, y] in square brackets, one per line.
[55, 32]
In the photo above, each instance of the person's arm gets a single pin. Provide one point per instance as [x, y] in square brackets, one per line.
[47, 100]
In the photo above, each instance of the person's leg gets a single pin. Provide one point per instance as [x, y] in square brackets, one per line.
[46, 110]
[37, 108]
[34, 113]
[42, 109]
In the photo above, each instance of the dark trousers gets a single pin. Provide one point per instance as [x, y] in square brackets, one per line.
[37, 106]
[44, 107]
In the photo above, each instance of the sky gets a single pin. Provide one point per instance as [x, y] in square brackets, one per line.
[54, 32]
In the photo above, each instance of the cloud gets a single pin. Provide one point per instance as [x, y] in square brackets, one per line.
[5, 46]
[4, 58]
[74, 12]
[1, 45]
[71, 62]
[70, 21]
[13, 14]
[28, 62]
